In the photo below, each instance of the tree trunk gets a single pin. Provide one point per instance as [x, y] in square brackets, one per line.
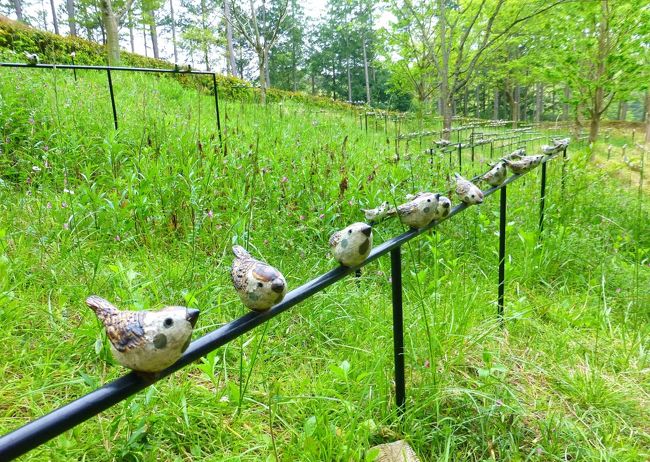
[565, 106]
[622, 110]
[516, 106]
[365, 70]
[267, 68]
[598, 100]
[204, 25]
[55, 21]
[477, 93]
[495, 114]
[313, 83]
[349, 80]
[72, 23]
[109, 21]
[131, 35]
[154, 34]
[230, 54]
[173, 23]
[261, 55]
[144, 38]
[539, 102]
[18, 6]
[445, 94]
[647, 116]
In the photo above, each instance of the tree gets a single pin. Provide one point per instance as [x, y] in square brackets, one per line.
[260, 27]
[111, 19]
[410, 39]
[287, 60]
[72, 24]
[465, 31]
[55, 21]
[231, 65]
[199, 32]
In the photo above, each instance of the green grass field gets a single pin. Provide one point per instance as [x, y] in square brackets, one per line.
[145, 216]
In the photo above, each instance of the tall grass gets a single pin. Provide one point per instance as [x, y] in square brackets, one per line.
[146, 216]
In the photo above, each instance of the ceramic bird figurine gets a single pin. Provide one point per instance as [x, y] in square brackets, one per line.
[32, 58]
[145, 341]
[468, 191]
[351, 246]
[443, 209]
[419, 211]
[378, 212]
[561, 143]
[548, 150]
[259, 285]
[496, 175]
[523, 164]
[516, 154]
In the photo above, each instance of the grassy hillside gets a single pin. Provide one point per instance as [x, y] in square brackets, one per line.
[146, 216]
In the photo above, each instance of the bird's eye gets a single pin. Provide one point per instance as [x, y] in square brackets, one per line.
[472, 196]
[349, 231]
[428, 200]
[259, 284]
[168, 322]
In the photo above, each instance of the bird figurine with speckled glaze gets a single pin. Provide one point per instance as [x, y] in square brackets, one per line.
[259, 285]
[418, 211]
[516, 154]
[467, 191]
[523, 164]
[378, 212]
[548, 150]
[443, 209]
[145, 341]
[32, 58]
[496, 175]
[352, 245]
[561, 143]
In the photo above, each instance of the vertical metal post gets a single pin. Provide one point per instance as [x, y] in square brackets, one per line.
[110, 89]
[216, 106]
[563, 169]
[366, 122]
[460, 159]
[74, 70]
[542, 198]
[398, 328]
[502, 253]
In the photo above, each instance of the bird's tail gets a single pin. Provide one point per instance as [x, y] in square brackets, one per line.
[102, 308]
[240, 252]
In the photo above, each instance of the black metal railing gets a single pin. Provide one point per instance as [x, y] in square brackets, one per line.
[108, 69]
[39, 431]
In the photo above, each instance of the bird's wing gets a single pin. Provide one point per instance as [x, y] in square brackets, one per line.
[124, 330]
[335, 239]
[407, 209]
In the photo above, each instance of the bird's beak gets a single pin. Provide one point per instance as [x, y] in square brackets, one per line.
[191, 316]
[367, 231]
[277, 286]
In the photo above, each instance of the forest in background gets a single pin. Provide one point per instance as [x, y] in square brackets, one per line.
[496, 59]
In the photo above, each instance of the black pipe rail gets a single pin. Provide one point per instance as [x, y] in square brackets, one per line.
[41, 430]
[108, 69]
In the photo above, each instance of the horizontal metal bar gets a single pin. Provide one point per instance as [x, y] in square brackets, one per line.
[66, 417]
[106, 68]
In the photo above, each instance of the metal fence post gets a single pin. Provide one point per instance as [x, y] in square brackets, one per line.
[563, 169]
[460, 158]
[216, 105]
[542, 198]
[110, 89]
[398, 327]
[502, 253]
